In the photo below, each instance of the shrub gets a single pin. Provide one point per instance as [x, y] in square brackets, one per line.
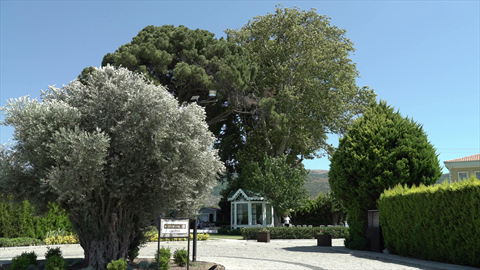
[412, 226]
[53, 252]
[55, 263]
[31, 257]
[59, 240]
[356, 242]
[19, 263]
[143, 265]
[24, 261]
[153, 237]
[163, 255]
[295, 232]
[180, 257]
[20, 220]
[119, 264]
[133, 254]
[20, 242]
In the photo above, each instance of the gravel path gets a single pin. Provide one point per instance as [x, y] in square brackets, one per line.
[278, 254]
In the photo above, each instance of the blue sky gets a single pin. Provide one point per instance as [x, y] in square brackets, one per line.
[422, 57]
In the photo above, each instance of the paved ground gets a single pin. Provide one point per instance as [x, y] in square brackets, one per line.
[278, 254]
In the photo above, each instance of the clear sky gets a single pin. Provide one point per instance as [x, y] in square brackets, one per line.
[422, 57]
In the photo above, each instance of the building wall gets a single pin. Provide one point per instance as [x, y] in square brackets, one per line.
[469, 170]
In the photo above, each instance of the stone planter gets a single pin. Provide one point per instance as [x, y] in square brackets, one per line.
[263, 237]
[324, 240]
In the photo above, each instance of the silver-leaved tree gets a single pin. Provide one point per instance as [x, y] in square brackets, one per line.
[114, 151]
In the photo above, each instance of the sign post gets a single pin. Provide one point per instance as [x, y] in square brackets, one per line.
[175, 228]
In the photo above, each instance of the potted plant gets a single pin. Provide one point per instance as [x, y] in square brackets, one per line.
[263, 235]
[324, 239]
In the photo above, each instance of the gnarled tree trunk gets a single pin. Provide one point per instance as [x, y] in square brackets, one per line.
[99, 250]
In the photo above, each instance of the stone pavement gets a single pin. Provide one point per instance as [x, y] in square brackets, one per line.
[278, 254]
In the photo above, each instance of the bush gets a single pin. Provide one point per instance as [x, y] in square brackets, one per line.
[153, 237]
[59, 240]
[295, 232]
[180, 257]
[19, 263]
[20, 220]
[119, 264]
[412, 226]
[31, 257]
[53, 252]
[163, 255]
[356, 242]
[20, 242]
[55, 263]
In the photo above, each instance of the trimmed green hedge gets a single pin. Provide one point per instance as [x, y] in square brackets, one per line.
[20, 220]
[294, 232]
[437, 223]
[20, 242]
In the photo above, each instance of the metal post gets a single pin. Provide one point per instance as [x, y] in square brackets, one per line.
[188, 243]
[194, 257]
[158, 246]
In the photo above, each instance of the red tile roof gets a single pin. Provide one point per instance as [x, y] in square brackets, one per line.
[469, 158]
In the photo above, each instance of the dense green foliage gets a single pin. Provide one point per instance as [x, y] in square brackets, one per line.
[19, 263]
[119, 264]
[380, 150]
[163, 255]
[437, 223]
[53, 252]
[324, 210]
[306, 85]
[284, 82]
[180, 257]
[317, 183]
[114, 151]
[295, 232]
[55, 262]
[24, 260]
[21, 220]
[275, 179]
[20, 242]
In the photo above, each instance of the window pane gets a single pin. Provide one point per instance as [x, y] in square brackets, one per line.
[242, 214]
[257, 214]
[269, 214]
[477, 175]
[462, 176]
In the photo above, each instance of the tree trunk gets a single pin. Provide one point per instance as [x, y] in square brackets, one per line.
[113, 245]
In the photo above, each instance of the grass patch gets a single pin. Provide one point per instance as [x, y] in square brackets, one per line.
[216, 236]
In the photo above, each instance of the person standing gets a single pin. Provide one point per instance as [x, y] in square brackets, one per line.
[286, 220]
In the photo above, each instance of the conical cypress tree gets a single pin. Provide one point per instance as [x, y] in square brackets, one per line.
[381, 149]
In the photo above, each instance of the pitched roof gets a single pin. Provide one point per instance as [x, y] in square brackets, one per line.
[250, 195]
[469, 158]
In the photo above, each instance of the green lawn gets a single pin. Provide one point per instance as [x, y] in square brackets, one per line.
[215, 236]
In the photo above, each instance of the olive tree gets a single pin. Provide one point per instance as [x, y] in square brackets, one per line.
[114, 150]
[380, 150]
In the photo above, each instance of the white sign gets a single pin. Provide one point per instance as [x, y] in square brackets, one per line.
[174, 228]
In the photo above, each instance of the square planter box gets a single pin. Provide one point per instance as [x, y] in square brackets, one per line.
[324, 240]
[263, 237]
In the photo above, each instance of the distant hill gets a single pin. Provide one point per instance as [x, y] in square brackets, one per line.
[317, 183]
[444, 177]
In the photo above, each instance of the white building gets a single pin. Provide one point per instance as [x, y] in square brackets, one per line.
[250, 209]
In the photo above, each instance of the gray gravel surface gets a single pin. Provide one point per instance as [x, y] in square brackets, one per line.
[278, 254]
